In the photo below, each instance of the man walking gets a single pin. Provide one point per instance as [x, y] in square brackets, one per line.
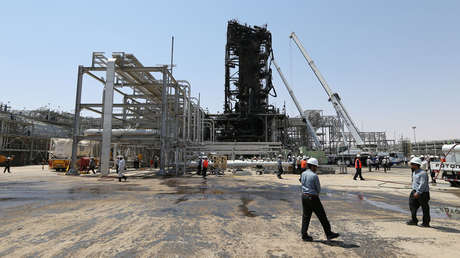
[280, 167]
[7, 165]
[420, 194]
[92, 165]
[358, 167]
[311, 188]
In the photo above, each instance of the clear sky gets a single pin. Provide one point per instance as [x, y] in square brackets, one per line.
[396, 64]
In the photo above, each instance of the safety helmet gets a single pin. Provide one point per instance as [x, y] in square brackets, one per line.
[312, 161]
[205, 157]
[279, 156]
[358, 155]
[421, 156]
[305, 157]
[416, 160]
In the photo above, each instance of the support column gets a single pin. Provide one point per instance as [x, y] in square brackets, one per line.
[107, 123]
[76, 123]
[164, 114]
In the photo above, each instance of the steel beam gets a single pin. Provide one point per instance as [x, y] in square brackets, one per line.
[76, 123]
[107, 124]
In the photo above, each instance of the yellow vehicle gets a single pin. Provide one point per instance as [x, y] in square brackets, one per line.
[59, 164]
[61, 152]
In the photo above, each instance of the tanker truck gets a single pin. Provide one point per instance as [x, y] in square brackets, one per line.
[61, 152]
[449, 167]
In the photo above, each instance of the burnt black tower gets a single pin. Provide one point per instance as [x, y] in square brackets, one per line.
[248, 117]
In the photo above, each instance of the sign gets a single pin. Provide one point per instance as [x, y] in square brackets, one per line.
[446, 166]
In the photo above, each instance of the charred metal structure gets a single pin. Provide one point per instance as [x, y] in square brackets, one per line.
[248, 116]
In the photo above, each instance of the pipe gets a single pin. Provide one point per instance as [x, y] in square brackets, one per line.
[121, 132]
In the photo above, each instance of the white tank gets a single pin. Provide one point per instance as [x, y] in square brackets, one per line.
[454, 154]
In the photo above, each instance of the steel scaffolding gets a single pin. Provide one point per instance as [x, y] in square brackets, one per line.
[158, 116]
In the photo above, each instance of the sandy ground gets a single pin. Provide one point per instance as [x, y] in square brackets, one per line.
[48, 214]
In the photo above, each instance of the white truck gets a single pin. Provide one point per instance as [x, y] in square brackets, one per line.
[449, 168]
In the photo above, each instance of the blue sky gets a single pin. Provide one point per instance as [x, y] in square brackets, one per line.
[394, 63]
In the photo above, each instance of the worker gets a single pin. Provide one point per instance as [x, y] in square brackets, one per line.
[358, 167]
[92, 165]
[121, 168]
[430, 171]
[299, 165]
[420, 194]
[205, 166]
[311, 189]
[369, 163]
[303, 164]
[385, 164]
[388, 163]
[294, 163]
[377, 163]
[198, 167]
[7, 165]
[280, 167]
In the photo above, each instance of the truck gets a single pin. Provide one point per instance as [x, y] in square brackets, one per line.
[449, 167]
[60, 153]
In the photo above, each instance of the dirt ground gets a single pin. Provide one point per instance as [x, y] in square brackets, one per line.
[49, 214]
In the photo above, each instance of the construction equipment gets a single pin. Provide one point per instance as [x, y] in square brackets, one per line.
[450, 166]
[333, 97]
[305, 119]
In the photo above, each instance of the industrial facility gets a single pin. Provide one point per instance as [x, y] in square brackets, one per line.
[160, 118]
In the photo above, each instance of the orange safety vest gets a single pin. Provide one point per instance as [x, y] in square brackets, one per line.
[358, 163]
[205, 163]
[303, 164]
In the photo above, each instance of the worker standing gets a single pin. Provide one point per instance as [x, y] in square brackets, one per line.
[311, 188]
[198, 167]
[7, 165]
[205, 166]
[420, 194]
[384, 164]
[280, 167]
[121, 168]
[294, 163]
[358, 167]
[299, 165]
[430, 171]
[377, 163]
[303, 164]
[369, 163]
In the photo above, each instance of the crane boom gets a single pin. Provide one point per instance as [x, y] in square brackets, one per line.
[310, 128]
[333, 97]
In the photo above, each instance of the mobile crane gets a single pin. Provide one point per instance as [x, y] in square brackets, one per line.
[333, 97]
[307, 122]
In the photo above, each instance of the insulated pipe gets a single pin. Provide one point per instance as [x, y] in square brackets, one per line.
[121, 132]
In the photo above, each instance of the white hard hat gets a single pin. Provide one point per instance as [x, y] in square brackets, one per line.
[416, 160]
[312, 161]
[304, 157]
[421, 156]
[205, 157]
[358, 155]
[279, 156]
